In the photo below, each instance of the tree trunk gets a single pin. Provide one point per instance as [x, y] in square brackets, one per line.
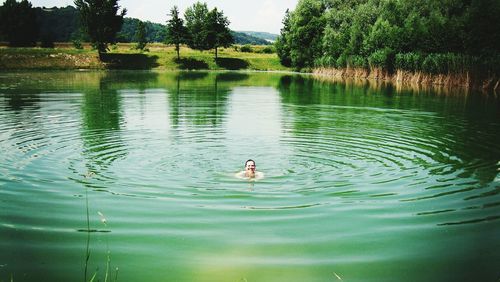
[216, 52]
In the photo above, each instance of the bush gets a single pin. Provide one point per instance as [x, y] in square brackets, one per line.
[357, 61]
[77, 43]
[430, 64]
[341, 61]
[268, 50]
[246, 48]
[325, 61]
[382, 58]
[409, 61]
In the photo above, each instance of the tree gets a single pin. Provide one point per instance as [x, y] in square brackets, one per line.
[217, 30]
[282, 44]
[140, 36]
[196, 18]
[19, 25]
[308, 24]
[100, 21]
[176, 31]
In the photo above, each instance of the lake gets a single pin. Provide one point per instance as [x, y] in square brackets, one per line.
[130, 176]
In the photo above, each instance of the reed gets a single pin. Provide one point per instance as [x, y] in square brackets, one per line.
[104, 221]
[87, 251]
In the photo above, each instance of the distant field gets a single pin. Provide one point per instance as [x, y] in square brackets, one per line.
[125, 56]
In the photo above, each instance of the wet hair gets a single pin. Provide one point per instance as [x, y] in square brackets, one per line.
[250, 160]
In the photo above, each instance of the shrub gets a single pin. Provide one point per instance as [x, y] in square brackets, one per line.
[409, 61]
[341, 61]
[325, 61]
[77, 43]
[382, 58]
[430, 64]
[268, 50]
[357, 61]
[246, 48]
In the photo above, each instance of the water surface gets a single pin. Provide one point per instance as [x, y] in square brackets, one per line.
[364, 182]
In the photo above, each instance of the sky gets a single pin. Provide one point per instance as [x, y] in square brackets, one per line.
[244, 15]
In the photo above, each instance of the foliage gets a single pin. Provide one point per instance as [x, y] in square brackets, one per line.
[176, 31]
[161, 57]
[153, 32]
[19, 25]
[207, 29]
[140, 36]
[282, 43]
[268, 50]
[261, 35]
[246, 48]
[60, 23]
[196, 17]
[425, 35]
[245, 38]
[77, 37]
[307, 24]
[218, 32]
[382, 58]
[100, 21]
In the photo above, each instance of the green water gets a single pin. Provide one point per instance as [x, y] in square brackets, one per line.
[363, 182]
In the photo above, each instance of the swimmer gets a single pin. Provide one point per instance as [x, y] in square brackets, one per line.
[249, 172]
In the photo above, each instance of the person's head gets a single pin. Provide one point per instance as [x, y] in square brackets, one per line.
[250, 165]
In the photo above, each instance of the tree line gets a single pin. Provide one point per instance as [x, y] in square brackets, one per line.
[24, 25]
[432, 36]
[204, 29]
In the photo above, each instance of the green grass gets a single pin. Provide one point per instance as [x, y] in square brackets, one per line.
[124, 56]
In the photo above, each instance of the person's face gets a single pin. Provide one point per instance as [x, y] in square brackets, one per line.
[250, 166]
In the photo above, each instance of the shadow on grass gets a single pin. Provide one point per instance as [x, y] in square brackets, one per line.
[191, 64]
[231, 63]
[129, 61]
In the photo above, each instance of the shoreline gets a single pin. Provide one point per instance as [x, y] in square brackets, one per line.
[163, 57]
[414, 79]
[124, 56]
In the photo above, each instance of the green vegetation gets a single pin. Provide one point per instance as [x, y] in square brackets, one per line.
[217, 30]
[154, 32]
[263, 35]
[125, 56]
[176, 31]
[246, 38]
[62, 25]
[428, 36]
[140, 37]
[100, 21]
[19, 25]
[206, 29]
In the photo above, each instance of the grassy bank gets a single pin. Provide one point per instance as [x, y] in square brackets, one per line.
[124, 56]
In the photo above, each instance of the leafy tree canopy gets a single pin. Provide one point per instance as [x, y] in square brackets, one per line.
[176, 31]
[217, 30]
[196, 17]
[422, 35]
[18, 25]
[101, 21]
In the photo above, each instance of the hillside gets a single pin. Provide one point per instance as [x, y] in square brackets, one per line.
[263, 35]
